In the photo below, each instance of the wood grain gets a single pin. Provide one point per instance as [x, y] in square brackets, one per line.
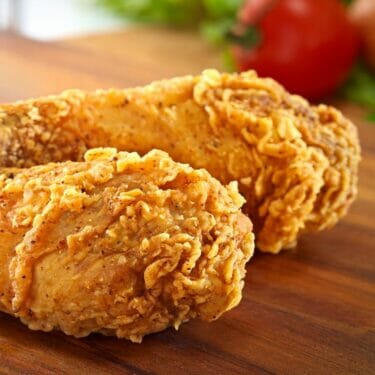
[306, 311]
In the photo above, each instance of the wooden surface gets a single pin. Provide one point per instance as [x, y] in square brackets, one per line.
[306, 311]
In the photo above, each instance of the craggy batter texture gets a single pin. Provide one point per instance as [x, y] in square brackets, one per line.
[119, 244]
[296, 164]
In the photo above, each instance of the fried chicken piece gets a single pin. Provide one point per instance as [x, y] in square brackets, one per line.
[296, 164]
[119, 244]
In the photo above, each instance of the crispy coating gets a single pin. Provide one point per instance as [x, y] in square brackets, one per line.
[119, 244]
[296, 164]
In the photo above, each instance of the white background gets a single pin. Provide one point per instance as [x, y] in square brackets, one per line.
[55, 19]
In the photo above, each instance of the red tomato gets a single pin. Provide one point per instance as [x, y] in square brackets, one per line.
[307, 45]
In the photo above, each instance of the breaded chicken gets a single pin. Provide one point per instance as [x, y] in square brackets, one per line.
[119, 244]
[296, 164]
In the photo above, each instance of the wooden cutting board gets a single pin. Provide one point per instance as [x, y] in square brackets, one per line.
[307, 311]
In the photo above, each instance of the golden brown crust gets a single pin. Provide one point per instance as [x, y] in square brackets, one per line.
[296, 164]
[119, 244]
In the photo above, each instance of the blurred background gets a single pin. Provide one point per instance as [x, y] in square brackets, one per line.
[56, 19]
[321, 49]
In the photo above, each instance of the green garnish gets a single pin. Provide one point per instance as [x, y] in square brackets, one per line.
[174, 12]
[247, 38]
[228, 60]
[170, 12]
[360, 88]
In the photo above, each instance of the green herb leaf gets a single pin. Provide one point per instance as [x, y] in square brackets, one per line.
[228, 60]
[170, 12]
[217, 9]
[360, 87]
[217, 31]
[248, 37]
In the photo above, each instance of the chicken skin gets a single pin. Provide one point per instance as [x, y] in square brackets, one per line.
[119, 244]
[296, 164]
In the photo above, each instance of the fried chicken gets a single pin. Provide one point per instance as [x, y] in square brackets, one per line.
[119, 244]
[296, 164]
